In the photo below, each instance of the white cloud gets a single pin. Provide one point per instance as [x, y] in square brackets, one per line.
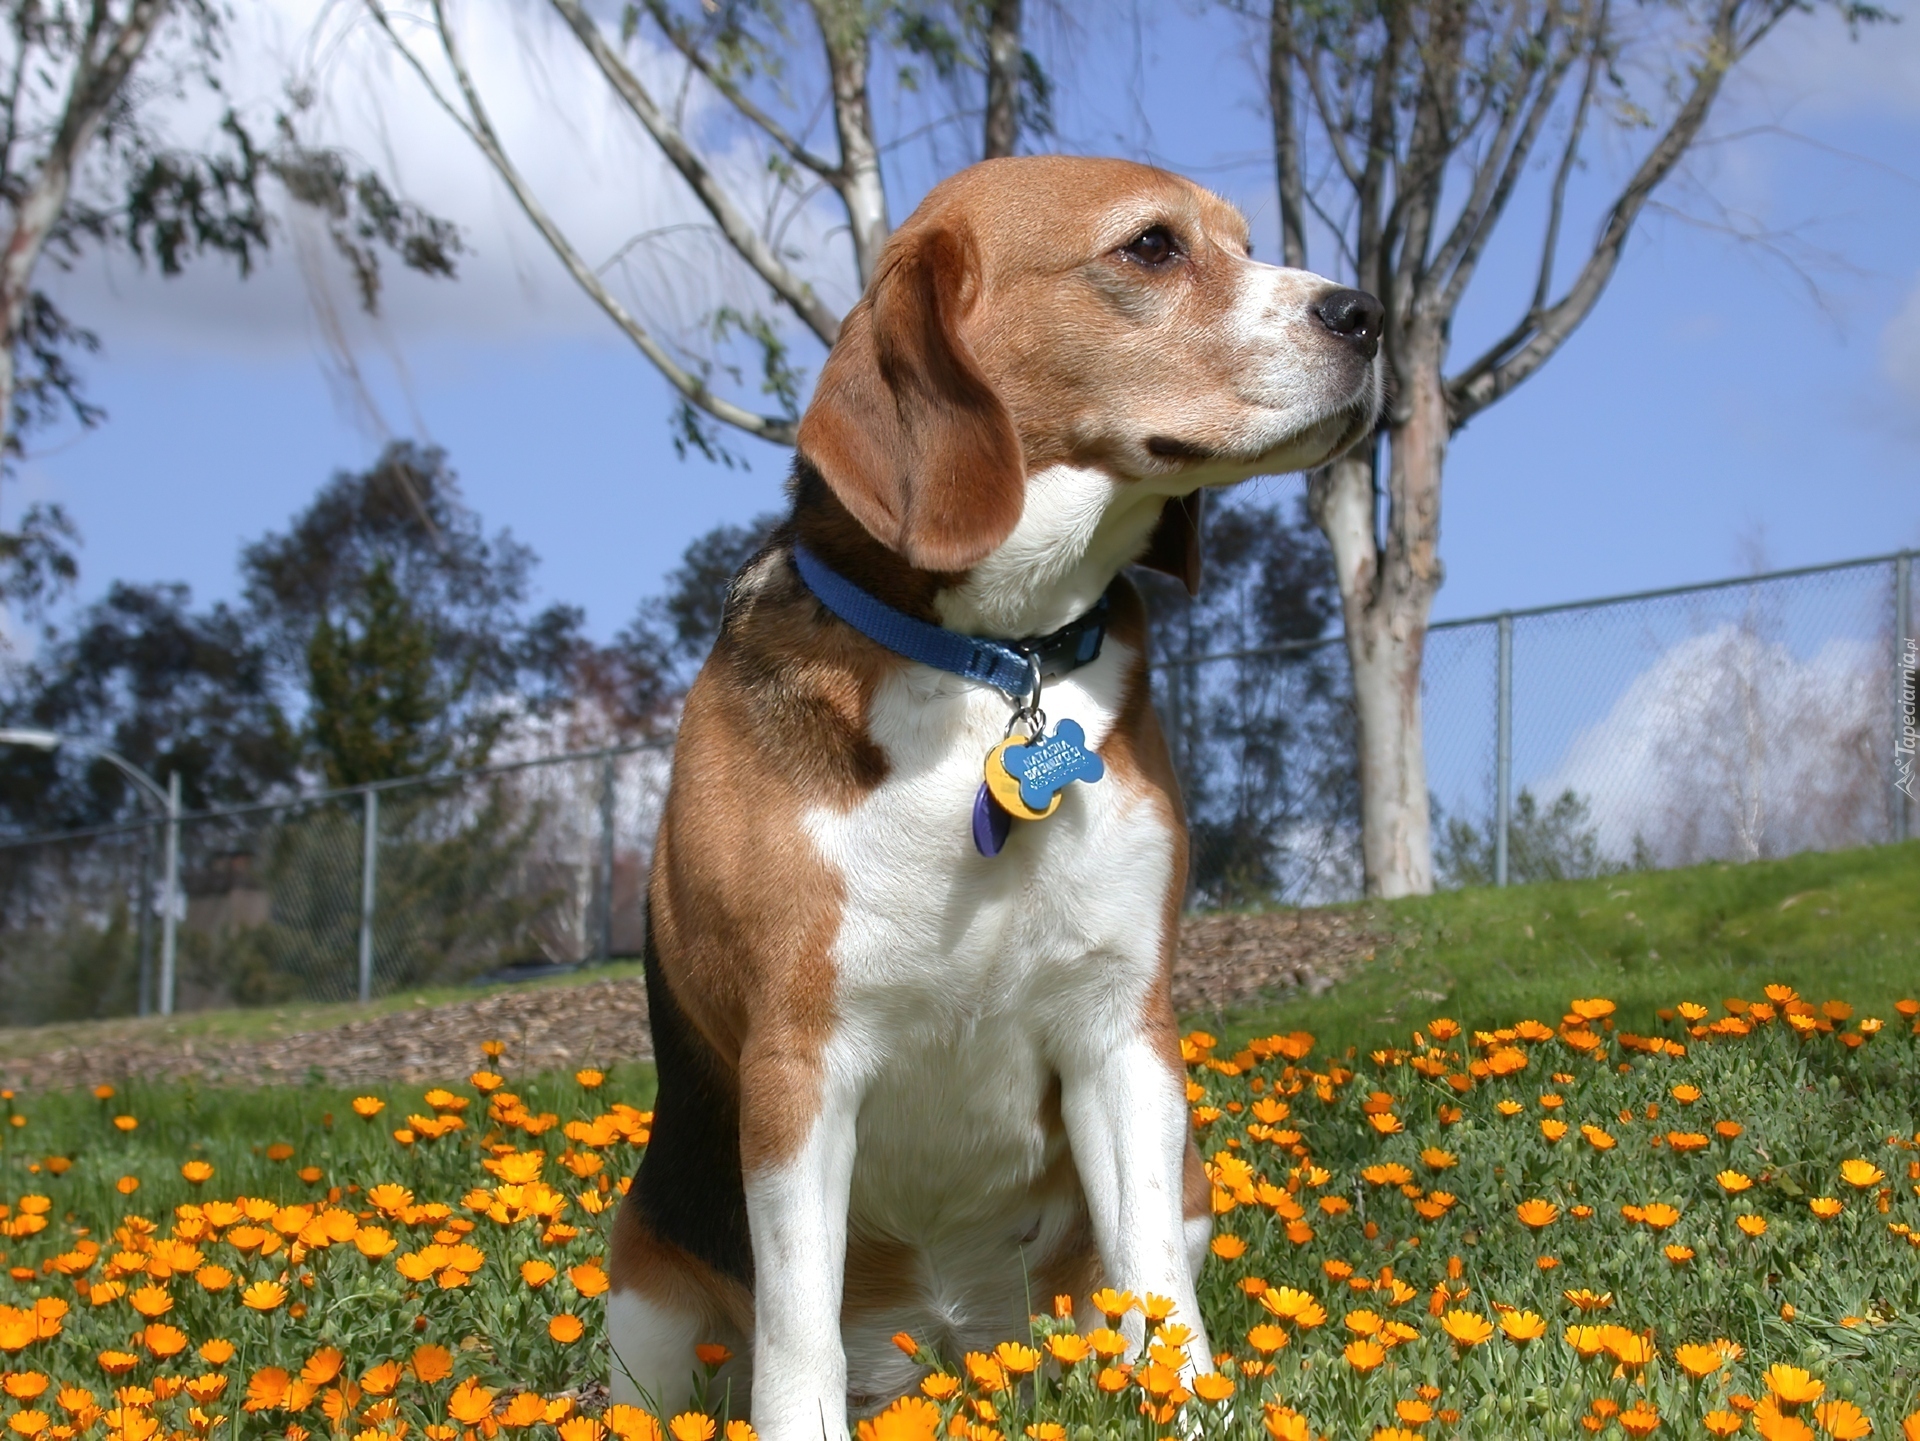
[593, 167]
[1900, 348]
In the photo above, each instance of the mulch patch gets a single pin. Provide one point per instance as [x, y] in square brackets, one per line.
[1224, 961]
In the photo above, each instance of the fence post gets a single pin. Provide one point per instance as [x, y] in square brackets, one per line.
[1902, 620]
[143, 999]
[170, 897]
[603, 879]
[1503, 753]
[369, 877]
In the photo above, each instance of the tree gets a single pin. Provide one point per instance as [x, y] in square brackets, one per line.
[1261, 734]
[170, 688]
[681, 625]
[84, 161]
[395, 545]
[773, 68]
[1402, 132]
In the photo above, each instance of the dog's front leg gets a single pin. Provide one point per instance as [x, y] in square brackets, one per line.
[1126, 1118]
[797, 1144]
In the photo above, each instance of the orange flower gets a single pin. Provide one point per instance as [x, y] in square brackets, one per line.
[588, 1279]
[1638, 1419]
[628, 1423]
[911, 1418]
[470, 1403]
[1721, 1423]
[1266, 1339]
[1861, 1174]
[1228, 1247]
[566, 1328]
[431, 1364]
[1363, 1356]
[1537, 1214]
[196, 1171]
[1020, 1360]
[1825, 1207]
[1752, 1225]
[367, 1107]
[1679, 1255]
[263, 1296]
[153, 1301]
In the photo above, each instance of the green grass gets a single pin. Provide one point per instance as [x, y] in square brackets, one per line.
[1840, 923]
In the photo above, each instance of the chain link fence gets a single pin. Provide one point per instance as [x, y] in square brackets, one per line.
[1750, 718]
[1743, 719]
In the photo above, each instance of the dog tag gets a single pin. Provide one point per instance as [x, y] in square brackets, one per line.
[991, 823]
[1005, 786]
[1044, 769]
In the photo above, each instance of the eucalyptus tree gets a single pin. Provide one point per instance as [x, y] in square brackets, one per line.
[1403, 133]
[89, 91]
[772, 77]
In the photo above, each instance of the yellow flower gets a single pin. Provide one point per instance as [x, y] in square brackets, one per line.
[263, 1296]
[1698, 1360]
[1467, 1328]
[1111, 1303]
[1842, 1420]
[1020, 1360]
[1793, 1385]
[1522, 1326]
[1068, 1349]
[1861, 1174]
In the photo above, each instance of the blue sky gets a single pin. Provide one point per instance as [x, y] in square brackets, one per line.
[1712, 412]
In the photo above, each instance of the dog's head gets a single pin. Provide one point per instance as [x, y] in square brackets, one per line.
[1050, 315]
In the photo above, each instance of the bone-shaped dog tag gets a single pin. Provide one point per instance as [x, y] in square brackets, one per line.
[1047, 767]
[1004, 785]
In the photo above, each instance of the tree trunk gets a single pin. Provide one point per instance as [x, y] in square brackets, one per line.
[1387, 585]
[1003, 78]
[844, 27]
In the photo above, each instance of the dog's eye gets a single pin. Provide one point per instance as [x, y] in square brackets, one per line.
[1152, 247]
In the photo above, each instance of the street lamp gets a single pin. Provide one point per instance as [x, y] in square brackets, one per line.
[169, 802]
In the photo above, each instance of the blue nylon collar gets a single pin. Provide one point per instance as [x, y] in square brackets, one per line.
[1007, 665]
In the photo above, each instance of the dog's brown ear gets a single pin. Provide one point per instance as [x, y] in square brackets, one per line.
[904, 426]
[1174, 546]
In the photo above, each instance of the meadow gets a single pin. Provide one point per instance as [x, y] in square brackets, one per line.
[1605, 1216]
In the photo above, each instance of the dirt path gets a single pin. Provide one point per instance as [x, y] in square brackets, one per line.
[1223, 961]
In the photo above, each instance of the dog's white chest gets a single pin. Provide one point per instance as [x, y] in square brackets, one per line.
[937, 940]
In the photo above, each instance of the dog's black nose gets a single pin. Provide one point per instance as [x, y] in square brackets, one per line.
[1355, 316]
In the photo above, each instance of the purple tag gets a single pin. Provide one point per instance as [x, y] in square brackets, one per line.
[991, 823]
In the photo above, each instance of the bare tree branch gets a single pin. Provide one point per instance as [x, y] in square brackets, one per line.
[1495, 376]
[1460, 255]
[844, 29]
[740, 232]
[1329, 123]
[768, 126]
[96, 80]
[1286, 134]
[478, 128]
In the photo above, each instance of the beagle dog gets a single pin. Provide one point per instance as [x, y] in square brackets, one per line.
[906, 1085]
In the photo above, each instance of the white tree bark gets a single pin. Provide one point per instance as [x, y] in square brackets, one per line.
[105, 61]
